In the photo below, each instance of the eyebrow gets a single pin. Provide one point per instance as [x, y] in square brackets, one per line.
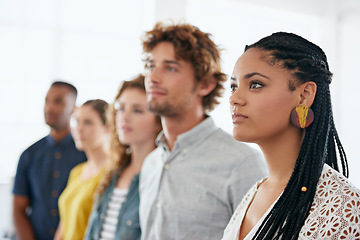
[133, 105]
[138, 105]
[167, 61]
[249, 75]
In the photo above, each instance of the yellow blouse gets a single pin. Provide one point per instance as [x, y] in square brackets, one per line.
[75, 203]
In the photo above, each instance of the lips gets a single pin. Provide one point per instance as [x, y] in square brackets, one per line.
[156, 92]
[50, 116]
[126, 129]
[238, 117]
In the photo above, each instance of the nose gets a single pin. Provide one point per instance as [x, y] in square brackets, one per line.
[153, 76]
[237, 99]
[126, 115]
[78, 129]
[122, 117]
[47, 106]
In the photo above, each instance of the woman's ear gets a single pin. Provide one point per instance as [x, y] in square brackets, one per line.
[308, 92]
[206, 86]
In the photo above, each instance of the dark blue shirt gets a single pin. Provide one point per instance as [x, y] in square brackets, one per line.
[42, 174]
[128, 225]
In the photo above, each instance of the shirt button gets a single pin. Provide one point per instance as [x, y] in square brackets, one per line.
[158, 205]
[56, 174]
[184, 150]
[54, 193]
[129, 222]
[52, 231]
[124, 200]
[57, 155]
[166, 166]
[54, 212]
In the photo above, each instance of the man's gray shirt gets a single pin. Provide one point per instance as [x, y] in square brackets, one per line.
[192, 191]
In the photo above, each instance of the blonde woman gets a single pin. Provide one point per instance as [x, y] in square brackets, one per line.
[91, 136]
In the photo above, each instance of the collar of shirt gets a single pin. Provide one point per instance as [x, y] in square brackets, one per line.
[191, 138]
[51, 141]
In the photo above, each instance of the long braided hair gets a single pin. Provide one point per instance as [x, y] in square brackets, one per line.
[307, 62]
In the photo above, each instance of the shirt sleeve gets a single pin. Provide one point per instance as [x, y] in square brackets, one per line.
[21, 183]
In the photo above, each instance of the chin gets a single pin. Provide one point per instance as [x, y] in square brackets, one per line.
[50, 123]
[241, 137]
[124, 141]
[79, 147]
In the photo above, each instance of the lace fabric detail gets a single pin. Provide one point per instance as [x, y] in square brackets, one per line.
[335, 212]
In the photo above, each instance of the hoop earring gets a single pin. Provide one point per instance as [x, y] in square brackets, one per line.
[302, 116]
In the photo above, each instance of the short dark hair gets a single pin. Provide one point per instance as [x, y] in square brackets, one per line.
[71, 87]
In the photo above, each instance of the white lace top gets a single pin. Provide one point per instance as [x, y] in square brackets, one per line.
[335, 212]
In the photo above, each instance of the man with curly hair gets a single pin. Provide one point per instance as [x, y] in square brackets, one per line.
[191, 184]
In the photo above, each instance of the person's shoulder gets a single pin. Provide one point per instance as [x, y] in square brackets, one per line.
[152, 160]
[335, 183]
[335, 206]
[28, 155]
[37, 146]
[226, 142]
[78, 168]
[154, 154]
[225, 138]
[335, 191]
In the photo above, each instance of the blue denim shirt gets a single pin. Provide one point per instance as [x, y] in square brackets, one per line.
[128, 226]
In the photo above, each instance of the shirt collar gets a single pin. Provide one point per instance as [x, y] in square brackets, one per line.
[63, 141]
[193, 136]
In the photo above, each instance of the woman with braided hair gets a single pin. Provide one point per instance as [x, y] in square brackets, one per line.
[281, 101]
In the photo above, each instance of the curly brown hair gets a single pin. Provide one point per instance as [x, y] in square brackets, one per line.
[119, 156]
[196, 47]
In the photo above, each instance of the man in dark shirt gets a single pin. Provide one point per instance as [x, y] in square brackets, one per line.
[44, 168]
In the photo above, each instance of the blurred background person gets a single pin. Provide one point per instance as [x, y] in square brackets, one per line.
[133, 133]
[44, 168]
[91, 135]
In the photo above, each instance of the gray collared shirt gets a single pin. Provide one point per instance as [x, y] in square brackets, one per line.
[192, 191]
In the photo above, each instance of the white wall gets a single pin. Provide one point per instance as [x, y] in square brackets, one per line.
[90, 43]
[95, 44]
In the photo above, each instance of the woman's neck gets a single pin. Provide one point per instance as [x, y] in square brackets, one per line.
[281, 154]
[97, 158]
[139, 153]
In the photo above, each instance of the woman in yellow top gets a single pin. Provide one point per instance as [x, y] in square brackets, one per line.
[90, 134]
